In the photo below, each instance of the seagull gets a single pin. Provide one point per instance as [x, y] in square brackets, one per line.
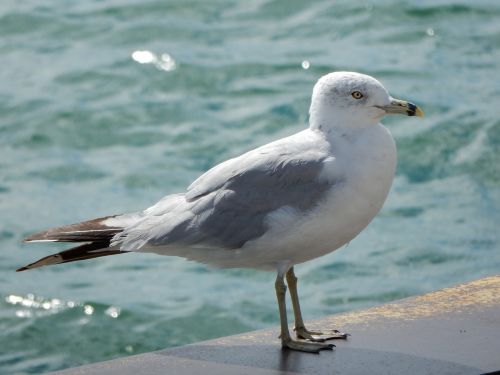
[281, 204]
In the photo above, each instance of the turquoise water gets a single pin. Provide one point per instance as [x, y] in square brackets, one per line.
[106, 106]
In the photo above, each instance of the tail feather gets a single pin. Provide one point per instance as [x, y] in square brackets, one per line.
[86, 251]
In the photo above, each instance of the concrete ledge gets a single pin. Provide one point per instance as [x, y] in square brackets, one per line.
[451, 331]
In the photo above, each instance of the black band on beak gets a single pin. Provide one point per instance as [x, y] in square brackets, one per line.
[412, 108]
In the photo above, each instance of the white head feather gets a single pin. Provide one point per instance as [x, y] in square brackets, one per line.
[347, 100]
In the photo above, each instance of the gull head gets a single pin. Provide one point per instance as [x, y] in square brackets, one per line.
[353, 100]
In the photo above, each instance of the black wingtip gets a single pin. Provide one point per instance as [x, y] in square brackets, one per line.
[44, 236]
[94, 230]
[46, 261]
[82, 252]
[34, 237]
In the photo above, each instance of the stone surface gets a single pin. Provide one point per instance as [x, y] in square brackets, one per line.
[451, 331]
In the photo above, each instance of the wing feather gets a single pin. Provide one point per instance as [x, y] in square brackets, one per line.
[229, 205]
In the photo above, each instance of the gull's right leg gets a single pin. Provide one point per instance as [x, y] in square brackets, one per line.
[286, 340]
[300, 328]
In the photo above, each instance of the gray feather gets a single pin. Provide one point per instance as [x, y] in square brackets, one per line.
[227, 206]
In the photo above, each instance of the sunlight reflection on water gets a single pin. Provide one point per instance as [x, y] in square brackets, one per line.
[163, 62]
[32, 305]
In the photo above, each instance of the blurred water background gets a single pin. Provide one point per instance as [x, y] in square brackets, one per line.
[106, 106]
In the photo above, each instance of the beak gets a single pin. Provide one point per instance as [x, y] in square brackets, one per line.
[402, 107]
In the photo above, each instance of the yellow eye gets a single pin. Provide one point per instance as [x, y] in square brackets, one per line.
[357, 95]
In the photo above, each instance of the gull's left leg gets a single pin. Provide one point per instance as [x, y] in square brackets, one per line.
[300, 329]
[286, 340]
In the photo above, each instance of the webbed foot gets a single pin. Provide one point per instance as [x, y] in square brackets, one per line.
[313, 336]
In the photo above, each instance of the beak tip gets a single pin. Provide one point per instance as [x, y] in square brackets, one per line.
[403, 107]
[414, 110]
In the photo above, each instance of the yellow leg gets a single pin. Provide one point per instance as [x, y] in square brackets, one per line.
[300, 329]
[286, 340]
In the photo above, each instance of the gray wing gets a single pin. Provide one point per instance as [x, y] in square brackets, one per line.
[228, 205]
